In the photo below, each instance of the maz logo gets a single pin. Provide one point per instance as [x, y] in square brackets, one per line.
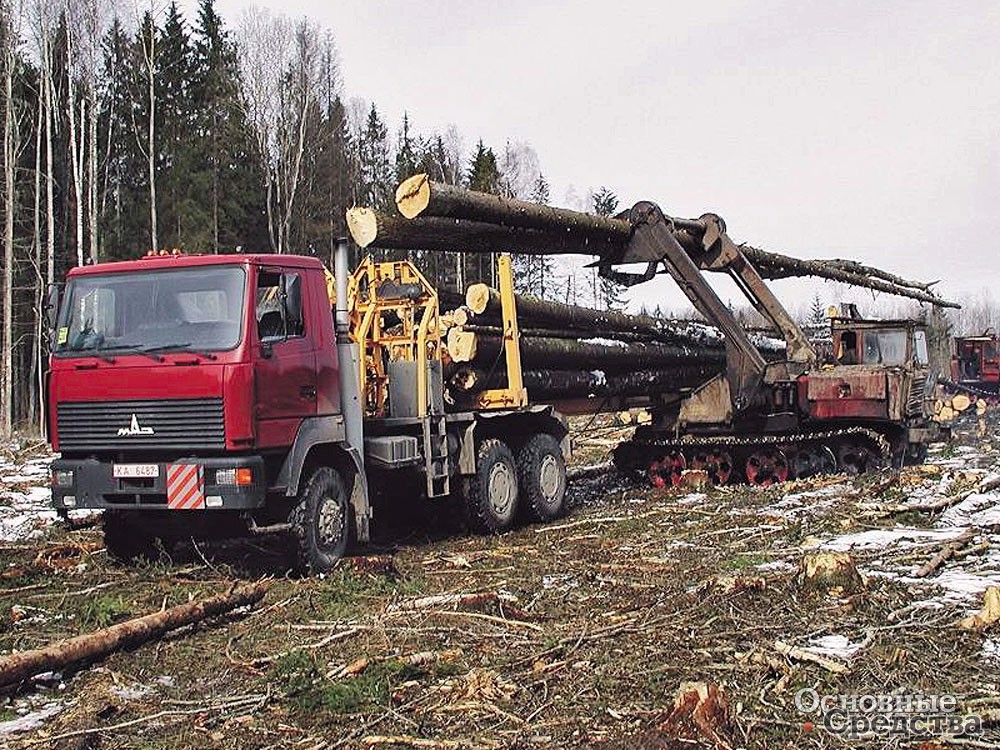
[134, 429]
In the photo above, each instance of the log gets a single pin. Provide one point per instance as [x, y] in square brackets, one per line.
[772, 265]
[581, 383]
[485, 302]
[369, 228]
[419, 196]
[594, 354]
[17, 667]
[946, 553]
[462, 345]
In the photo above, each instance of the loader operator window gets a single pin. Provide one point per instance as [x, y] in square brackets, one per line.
[279, 306]
[153, 311]
[885, 348]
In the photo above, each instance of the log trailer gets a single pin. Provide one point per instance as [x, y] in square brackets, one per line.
[209, 396]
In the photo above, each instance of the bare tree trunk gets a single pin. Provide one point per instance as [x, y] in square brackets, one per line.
[151, 135]
[75, 149]
[92, 177]
[6, 408]
[35, 379]
[50, 216]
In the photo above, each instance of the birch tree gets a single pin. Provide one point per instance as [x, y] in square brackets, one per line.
[9, 39]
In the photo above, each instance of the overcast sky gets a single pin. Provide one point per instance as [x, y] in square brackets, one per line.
[866, 130]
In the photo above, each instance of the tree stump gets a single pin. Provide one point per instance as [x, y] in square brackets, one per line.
[832, 573]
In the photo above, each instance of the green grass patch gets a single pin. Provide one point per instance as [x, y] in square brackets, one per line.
[307, 689]
[744, 561]
[101, 611]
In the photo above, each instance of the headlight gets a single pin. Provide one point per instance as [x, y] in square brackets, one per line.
[62, 478]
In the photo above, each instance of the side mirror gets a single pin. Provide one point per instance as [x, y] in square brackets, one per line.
[266, 350]
[293, 306]
[52, 305]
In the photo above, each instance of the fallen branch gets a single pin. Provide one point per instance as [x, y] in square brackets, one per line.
[408, 740]
[505, 603]
[241, 702]
[332, 638]
[17, 667]
[947, 552]
[418, 659]
[801, 654]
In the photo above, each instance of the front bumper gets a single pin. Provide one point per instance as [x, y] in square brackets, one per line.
[94, 485]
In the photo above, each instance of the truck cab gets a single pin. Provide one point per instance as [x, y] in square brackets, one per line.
[209, 396]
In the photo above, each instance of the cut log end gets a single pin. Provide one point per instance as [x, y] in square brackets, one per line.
[462, 345]
[413, 195]
[477, 298]
[362, 223]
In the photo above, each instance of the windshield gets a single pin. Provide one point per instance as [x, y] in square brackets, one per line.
[198, 309]
[885, 348]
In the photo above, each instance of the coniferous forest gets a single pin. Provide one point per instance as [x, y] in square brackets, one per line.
[146, 129]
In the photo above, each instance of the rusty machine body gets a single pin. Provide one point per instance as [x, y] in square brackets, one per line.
[975, 365]
[767, 421]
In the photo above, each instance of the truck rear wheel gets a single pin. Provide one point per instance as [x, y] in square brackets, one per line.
[320, 521]
[541, 477]
[491, 493]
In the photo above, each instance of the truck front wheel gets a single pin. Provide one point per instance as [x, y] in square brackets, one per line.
[491, 493]
[541, 476]
[320, 521]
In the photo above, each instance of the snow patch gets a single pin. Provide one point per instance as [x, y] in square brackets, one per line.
[903, 536]
[837, 646]
[31, 720]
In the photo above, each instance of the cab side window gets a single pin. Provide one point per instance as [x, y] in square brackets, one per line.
[279, 306]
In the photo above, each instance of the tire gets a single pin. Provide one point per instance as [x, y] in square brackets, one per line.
[320, 521]
[126, 539]
[490, 495]
[541, 478]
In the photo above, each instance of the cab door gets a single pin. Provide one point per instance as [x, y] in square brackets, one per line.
[285, 357]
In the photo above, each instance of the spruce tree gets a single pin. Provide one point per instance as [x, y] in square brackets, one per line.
[228, 165]
[608, 293]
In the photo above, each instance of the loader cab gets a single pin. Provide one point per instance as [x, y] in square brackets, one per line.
[890, 343]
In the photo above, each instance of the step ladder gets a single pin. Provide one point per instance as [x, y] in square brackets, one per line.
[436, 465]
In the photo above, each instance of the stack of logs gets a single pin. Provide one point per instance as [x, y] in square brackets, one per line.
[575, 352]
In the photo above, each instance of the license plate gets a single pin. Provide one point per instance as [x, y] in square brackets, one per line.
[135, 471]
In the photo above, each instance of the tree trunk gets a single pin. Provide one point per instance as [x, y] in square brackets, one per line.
[582, 383]
[369, 228]
[777, 266]
[419, 196]
[92, 229]
[150, 55]
[485, 302]
[551, 353]
[17, 667]
[75, 150]
[452, 218]
[35, 375]
[7, 408]
[50, 217]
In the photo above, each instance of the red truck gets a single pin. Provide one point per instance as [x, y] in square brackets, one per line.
[207, 396]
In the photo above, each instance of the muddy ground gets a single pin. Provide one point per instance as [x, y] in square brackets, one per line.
[580, 633]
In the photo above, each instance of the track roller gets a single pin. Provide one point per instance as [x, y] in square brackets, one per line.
[765, 466]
